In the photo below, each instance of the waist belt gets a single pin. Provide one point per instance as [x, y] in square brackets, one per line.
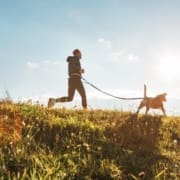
[75, 74]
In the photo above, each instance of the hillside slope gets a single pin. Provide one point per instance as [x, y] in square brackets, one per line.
[37, 143]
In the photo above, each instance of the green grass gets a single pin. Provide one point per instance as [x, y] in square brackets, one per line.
[37, 143]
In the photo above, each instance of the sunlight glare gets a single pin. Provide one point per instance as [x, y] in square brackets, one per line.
[168, 67]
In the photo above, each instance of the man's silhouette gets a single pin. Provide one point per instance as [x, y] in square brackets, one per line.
[74, 81]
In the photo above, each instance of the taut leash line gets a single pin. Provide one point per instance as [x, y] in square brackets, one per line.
[108, 94]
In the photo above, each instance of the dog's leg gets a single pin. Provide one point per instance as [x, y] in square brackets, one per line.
[137, 111]
[163, 110]
[142, 104]
[147, 109]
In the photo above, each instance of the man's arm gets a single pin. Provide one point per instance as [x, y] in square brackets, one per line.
[82, 71]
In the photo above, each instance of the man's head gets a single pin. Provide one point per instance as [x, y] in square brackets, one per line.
[77, 53]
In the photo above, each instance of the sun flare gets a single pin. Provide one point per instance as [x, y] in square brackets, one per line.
[169, 67]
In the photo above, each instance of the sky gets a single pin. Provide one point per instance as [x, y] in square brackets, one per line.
[125, 44]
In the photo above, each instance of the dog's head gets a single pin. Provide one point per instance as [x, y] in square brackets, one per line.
[162, 97]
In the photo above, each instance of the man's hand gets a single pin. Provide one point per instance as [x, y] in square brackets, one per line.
[82, 71]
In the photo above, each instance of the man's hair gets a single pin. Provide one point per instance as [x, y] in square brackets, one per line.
[76, 51]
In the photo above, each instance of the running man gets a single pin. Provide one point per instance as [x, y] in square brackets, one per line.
[74, 81]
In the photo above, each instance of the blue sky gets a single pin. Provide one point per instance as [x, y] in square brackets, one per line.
[125, 43]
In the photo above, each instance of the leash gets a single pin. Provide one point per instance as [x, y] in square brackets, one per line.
[108, 94]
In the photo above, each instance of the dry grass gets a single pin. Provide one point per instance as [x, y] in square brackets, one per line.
[74, 144]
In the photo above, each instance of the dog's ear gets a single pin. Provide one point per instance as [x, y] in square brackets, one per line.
[165, 94]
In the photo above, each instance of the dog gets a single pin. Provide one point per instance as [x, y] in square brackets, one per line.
[154, 103]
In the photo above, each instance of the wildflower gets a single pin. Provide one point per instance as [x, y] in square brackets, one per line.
[87, 146]
[6, 117]
[11, 143]
[141, 174]
[79, 145]
[175, 141]
[23, 123]
[3, 167]
[28, 136]
[18, 175]
[63, 175]
[18, 151]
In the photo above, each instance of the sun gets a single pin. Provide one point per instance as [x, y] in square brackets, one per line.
[168, 67]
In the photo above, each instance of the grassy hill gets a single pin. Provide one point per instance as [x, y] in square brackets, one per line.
[37, 143]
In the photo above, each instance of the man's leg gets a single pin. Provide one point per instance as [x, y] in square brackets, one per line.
[71, 91]
[82, 93]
